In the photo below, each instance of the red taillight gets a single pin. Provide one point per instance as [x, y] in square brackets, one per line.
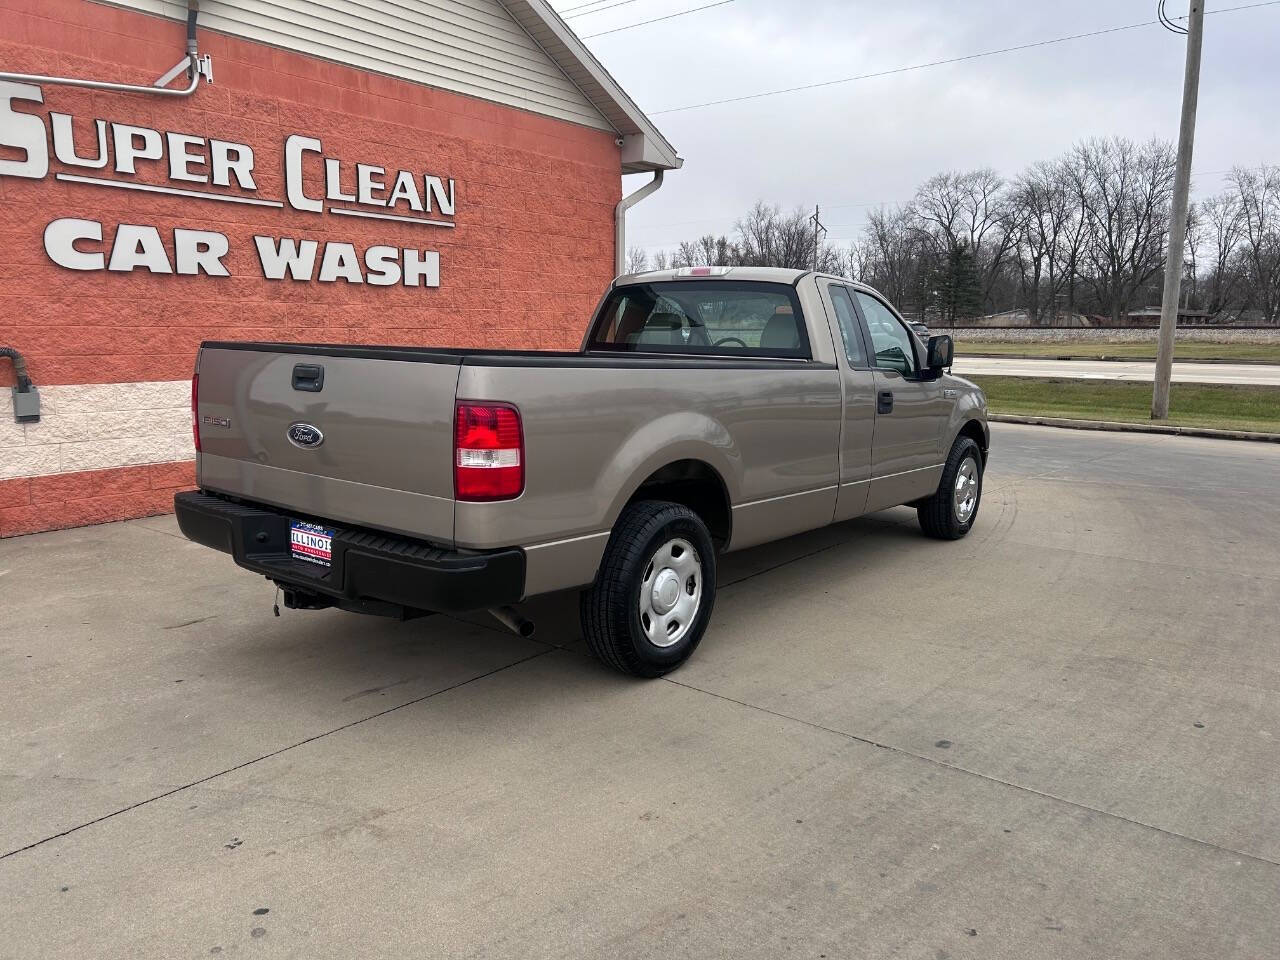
[195, 402]
[488, 452]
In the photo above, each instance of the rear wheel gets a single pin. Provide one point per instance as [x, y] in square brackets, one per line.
[653, 596]
[950, 512]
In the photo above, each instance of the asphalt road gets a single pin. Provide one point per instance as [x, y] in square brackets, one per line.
[1255, 374]
[1057, 738]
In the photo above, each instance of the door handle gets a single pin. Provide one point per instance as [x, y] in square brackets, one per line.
[884, 401]
[308, 377]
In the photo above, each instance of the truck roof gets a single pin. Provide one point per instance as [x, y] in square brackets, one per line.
[769, 274]
[785, 275]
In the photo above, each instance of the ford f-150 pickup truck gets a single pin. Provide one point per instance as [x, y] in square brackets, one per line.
[708, 409]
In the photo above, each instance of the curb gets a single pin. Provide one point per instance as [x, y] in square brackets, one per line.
[1119, 426]
[1041, 356]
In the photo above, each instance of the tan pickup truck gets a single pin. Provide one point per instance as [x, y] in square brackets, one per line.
[709, 409]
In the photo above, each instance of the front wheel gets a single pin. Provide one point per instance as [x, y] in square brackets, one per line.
[653, 596]
[950, 512]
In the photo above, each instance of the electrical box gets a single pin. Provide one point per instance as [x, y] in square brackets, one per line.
[26, 405]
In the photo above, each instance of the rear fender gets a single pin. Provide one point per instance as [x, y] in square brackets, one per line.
[677, 436]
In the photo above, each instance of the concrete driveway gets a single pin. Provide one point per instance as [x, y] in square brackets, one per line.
[1240, 374]
[1059, 737]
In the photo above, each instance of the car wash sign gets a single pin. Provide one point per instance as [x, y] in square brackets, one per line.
[193, 165]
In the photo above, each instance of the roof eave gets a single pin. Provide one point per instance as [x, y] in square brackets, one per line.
[644, 148]
[641, 154]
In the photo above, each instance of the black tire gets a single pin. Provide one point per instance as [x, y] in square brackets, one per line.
[611, 618]
[938, 514]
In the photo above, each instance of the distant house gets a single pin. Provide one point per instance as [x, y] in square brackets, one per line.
[1150, 317]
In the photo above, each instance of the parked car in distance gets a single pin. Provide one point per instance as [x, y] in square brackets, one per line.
[709, 409]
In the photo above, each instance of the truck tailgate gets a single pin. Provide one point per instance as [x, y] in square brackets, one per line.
[384, 425]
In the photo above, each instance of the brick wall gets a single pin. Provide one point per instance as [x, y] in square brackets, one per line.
[531, 251]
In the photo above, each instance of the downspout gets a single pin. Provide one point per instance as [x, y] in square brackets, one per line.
[620, 221]
[193, 64]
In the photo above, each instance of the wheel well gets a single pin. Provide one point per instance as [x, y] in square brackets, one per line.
[974, 431]
[697, 486]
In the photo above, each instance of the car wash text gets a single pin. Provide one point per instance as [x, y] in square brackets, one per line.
[190, 166]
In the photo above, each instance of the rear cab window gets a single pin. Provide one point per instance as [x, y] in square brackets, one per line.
[714, 318]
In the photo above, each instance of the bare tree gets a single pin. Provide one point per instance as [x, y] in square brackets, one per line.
[1258, 193]
[1220, 223]
[968, 211]
[637, 260]
[890, 255]
[1125, 190]
[706, 251]
[768, 238]
[1047, 225]
[1085, 232]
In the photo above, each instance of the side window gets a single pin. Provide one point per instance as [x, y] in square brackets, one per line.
[848, 321]
[889, 338]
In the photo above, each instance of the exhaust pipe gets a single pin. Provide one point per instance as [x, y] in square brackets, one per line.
[513, 620]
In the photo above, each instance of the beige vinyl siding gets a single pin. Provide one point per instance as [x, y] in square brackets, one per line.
[472, 47]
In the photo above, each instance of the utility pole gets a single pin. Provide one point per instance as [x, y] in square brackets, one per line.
[819, 229]
[1178, 220]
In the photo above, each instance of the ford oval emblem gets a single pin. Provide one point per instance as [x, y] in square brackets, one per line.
[305, 435]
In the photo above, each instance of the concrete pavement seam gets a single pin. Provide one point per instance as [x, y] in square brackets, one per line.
[918, 756]
[276, 753]
[974, 773]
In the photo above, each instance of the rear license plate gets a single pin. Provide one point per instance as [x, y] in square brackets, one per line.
[311, 542]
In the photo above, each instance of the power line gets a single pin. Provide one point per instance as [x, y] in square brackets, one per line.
[945, 62]
[580, 6]
[1167, 22]
[669, 16]
[567, 15]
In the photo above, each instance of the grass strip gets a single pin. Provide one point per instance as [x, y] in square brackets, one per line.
[1215, 406]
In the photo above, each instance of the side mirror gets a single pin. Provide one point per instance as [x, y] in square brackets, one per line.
[941, 352]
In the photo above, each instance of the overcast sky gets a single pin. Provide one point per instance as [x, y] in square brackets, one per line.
[857, 144]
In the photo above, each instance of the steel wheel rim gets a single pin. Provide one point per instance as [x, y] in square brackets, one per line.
[670, 592]
[966, 489]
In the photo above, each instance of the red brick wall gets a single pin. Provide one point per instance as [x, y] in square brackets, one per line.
[530, 254]
[532, 250]
[30, 504]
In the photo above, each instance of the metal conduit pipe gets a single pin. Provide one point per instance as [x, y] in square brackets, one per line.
[192, 63]
[19, 367]
[26, 398]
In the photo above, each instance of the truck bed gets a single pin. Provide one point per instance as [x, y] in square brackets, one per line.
[591, 421]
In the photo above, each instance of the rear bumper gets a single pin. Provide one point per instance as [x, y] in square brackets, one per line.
[367, 565]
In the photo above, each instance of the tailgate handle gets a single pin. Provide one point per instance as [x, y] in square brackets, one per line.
[308, 377]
